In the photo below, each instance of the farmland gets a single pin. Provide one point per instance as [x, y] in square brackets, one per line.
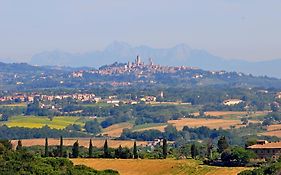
[82, 142]
[228, 119]
[116, 129]
[231, 113]
[38, 122]
[22, 104]
[157, 167]
[197, 122]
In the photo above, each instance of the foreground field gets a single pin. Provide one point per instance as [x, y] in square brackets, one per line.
[38, 122]
[157, 167]
[82, 142]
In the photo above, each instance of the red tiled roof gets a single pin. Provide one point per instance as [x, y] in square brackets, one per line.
[270, 145]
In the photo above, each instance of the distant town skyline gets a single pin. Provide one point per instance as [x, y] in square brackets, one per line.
[248, 30]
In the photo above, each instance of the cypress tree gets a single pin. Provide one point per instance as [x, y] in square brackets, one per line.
[90, 149]
[19, 147]
[210, 149]
[135, 150]
[222, 144]
[118, 152]
[61, 147]
[165, 148]
[105, 150]
[193, 151]
[46, 148]
[75, 150]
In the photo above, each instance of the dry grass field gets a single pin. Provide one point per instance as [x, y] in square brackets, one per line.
[197, 122]
[273, 130]
[82, 142]
[157, 167]
[274, 127]
[276, 133]
[210, 123]
[116, 129]
[231, 113]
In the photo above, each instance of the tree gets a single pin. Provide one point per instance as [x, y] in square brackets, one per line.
[244, 121]
[75, 149]
[210, 147]
[274, 107]
[46, 148]
[106, 153]
[222, 144]
[201, 113]
[171, 132]
[135, 150]
[242, 156]
[118, 152]
[19, 147]
[5, 117]
[194, 151]
[7, 144]
[90, 149]
[165, 148]
[61, 147]
[92, 126]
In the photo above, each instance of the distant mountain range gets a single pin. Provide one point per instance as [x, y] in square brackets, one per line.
[175, 56]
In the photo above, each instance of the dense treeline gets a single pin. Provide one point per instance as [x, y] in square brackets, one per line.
[21, 162]
[25, 133]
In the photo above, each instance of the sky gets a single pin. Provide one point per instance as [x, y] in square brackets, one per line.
[233, 29]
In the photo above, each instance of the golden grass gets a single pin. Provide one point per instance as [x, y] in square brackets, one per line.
[230, 113]
[274, 127]
[210, 123]
[82, 142]
[198, 122]
[157, 167]
[276, 133]
[116, 129]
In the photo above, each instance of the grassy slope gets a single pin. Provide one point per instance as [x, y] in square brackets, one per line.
[157, 167]
[38, 122]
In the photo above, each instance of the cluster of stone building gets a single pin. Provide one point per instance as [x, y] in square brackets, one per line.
[266, 150]
[137, 67]
[30, 97]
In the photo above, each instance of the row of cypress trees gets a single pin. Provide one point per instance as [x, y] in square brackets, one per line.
[75, 149]
[106, 152]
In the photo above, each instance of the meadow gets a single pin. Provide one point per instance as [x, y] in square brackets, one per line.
[59, 122]
[157, 167]
[22, 104]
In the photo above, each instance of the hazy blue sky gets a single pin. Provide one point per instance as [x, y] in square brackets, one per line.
[244, 29]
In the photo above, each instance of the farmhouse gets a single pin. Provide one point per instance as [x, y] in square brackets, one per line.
[230, 102]
[267, 150]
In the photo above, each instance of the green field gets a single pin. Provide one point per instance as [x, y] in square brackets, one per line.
[38, 122]
[98, 105]
[14, 105]
[147, 125]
